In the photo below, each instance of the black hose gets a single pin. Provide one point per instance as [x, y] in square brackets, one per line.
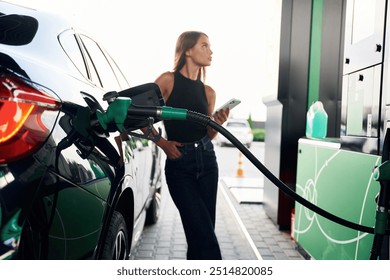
[382, 203]
[207, 121]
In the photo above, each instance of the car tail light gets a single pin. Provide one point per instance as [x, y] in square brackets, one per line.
[25, 121]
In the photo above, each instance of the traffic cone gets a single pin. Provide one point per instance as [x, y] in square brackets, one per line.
[240, 170]
[292, 224]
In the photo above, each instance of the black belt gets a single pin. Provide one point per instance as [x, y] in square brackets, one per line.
[194, 145]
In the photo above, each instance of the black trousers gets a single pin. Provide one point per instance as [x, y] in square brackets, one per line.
[192, 182]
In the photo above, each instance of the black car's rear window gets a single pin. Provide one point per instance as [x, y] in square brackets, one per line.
[17, 30]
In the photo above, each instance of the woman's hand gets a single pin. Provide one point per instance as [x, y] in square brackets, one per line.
[221, 116]
[170, 148]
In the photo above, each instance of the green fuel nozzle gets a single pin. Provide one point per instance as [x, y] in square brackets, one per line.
[115, 113]
[123, 109]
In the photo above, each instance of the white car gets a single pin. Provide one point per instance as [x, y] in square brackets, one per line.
[67, 191]
[240, 129]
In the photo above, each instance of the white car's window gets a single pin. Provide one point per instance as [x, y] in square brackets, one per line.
[72, 49]
[236, 124]
[17, 30]
[121, 78]
[107, 77]
[93, 75]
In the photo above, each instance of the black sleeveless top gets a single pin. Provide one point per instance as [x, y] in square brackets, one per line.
[190, 95]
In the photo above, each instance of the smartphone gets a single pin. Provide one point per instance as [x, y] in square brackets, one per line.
[230, 104]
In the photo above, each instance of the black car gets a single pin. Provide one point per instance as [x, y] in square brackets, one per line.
[66, 191]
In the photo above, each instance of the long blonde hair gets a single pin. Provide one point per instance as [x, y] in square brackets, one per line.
[186, 41]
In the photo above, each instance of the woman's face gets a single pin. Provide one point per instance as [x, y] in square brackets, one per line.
[201, 53]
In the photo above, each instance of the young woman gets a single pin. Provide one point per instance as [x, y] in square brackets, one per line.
[191, 168]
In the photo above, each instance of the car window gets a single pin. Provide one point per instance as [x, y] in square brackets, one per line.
[93, 75]
[118, 73]
[17, 30]
[99, 61]
[72, 49]
[236, 124]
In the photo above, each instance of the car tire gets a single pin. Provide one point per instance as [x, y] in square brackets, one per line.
[153, 212]
[116, 245]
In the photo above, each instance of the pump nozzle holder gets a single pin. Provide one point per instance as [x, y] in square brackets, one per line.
[382, 172]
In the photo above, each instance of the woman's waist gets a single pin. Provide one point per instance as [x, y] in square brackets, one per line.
[203, 143]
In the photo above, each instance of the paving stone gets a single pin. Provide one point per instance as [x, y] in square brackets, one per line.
[166, 240]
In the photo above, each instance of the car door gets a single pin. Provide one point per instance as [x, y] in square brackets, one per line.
[143, 155]
[109, 76]
[104, 73]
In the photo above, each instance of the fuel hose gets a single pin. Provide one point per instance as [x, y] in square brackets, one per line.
[207, 121]
[122, 109]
